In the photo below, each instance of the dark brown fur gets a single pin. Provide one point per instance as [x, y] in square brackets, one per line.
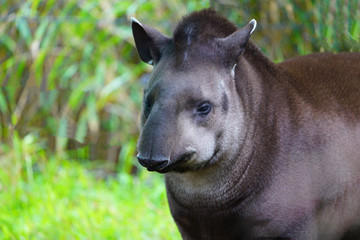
[284, 138]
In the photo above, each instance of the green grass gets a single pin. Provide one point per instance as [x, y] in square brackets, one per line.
[59, 199]
[65, 201]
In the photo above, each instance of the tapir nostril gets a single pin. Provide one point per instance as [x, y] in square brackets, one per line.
[153, 165]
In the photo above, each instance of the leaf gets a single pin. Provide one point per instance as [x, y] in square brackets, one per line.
[41, 30]
[8, 43]
[24, 30]
[3, 106]
[92, 118]
[69, 72]
[81, 128]
[113, 86]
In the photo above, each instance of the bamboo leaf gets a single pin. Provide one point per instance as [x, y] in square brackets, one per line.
[41, 30]
[24, 30]
[7, 42]
[81, 129]
[92, 117]
[69, 73]
[3, 106]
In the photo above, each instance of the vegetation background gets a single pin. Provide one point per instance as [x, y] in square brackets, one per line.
[70, 96]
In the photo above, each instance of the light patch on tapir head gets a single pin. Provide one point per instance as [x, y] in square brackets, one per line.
[192, 136]
[203, 142]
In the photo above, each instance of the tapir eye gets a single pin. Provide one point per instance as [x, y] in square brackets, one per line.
[204, 109]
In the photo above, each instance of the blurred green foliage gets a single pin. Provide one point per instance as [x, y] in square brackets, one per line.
[288, 28]
[71, 88]
[70, 74]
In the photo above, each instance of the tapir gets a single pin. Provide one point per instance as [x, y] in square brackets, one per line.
[250, 149]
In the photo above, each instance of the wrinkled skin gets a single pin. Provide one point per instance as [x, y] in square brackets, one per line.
[250, 149]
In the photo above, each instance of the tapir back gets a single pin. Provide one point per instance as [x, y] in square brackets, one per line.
[329, 82]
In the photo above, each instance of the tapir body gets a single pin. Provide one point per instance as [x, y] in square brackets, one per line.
[250, 149]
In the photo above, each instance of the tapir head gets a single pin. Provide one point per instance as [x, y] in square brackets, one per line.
[192, 113]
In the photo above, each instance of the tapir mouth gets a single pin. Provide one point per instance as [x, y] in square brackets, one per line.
[161, 168]
[164, 166]
[153, 165]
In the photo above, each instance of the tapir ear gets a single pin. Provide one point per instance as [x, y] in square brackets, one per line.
[235, 43]
[149, 42]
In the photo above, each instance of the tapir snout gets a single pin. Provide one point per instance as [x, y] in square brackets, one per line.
[155, 143]
[161, 147]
